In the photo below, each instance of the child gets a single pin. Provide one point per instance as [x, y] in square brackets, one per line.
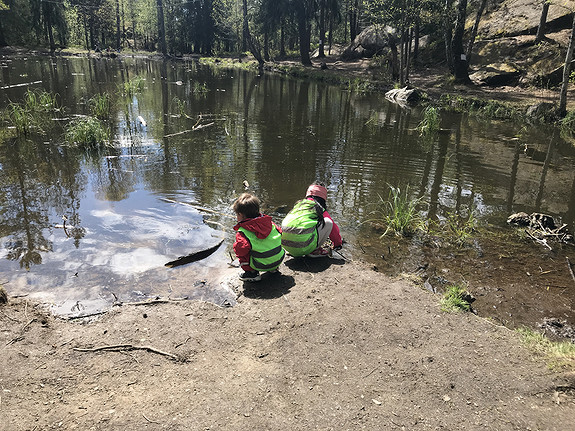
[258, 239]
[308, 225]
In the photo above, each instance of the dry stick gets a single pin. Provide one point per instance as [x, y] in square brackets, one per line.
[127, 347]
[199, 208]
[19, 336]
[570, 268]
[152, 422]
[540, 241]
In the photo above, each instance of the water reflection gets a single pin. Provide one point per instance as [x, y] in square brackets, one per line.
[276, 133]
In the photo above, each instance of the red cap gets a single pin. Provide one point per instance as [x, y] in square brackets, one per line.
[316, 190]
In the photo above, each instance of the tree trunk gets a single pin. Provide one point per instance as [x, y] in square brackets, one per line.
[460, 65]
[282, 41]
[447, 34]
[567, 72]
[416, 43]
[542, 21]
[304, 32]
[250, 42]
[118, 34]
[475, 29]
[402, 59]
[321, 29]
[161, 27]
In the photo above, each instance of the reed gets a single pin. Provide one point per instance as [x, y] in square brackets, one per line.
[430, 123]
[400, 213]
[88, 132]
[134, 85]
[100, 106]
[20, 118]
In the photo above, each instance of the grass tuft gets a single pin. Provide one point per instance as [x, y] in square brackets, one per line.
[430, 123]
[454, 299]
[400, 213]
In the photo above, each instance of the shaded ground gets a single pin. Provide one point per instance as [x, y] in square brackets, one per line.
[327, 345]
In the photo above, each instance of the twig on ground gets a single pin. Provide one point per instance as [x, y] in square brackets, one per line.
[118, 347]
[152, 422]
[20, 335]
[570, 268]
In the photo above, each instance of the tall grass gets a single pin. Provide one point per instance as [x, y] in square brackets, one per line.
[400, 213]
[430, 123]
[32, 112]
[88, 132]
[100, 106]
[134, 85]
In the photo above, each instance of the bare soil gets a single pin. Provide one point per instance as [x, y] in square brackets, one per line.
[326, 345]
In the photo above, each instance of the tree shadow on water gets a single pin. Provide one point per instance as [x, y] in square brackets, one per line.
[315, 265]
[272, 285]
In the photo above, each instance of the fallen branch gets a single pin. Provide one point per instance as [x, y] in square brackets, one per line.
[119, 347]
[199, 208]
[153, 301]
[20, 85]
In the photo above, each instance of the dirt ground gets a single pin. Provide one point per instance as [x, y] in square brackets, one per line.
[324, 345]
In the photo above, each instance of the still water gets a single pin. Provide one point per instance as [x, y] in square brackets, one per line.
[81, 229]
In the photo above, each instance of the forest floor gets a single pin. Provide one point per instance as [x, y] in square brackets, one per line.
[326, 344]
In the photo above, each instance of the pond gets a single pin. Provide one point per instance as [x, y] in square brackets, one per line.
[82, 229]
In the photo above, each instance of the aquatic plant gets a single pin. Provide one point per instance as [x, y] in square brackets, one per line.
[133, 85]
[559, 354]
[20, 118]
[87, 132]
[460, 228]
[199, 88]
[430, 123]
[31, 112]
[359, 85]
[100, 106]
[454, 299]
[400, 213]
[40, 101]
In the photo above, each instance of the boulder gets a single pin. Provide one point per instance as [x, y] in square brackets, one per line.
[403, 96]
[496, 75]
[370, 42]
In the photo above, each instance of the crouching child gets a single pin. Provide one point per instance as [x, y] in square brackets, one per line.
[258, 239]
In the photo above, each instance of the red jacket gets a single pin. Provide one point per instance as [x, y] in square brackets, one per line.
[261, 226]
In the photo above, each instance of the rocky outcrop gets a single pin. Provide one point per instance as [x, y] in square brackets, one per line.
[495, 75]
[520, 17]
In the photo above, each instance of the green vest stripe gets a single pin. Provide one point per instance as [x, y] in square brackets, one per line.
[265, 254]
[300, 244]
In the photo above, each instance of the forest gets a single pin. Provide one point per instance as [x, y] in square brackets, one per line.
[269, 29]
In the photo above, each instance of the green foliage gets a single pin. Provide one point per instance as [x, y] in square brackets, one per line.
[460, 228]
[134, 86]
[88, 132]
[568, 123]
[31, 113]
[199, 88]
[454, 299]
[559, 354]
[430, 123]
[489, 109]
[100, 106]
[399, 213]
[359, 85]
